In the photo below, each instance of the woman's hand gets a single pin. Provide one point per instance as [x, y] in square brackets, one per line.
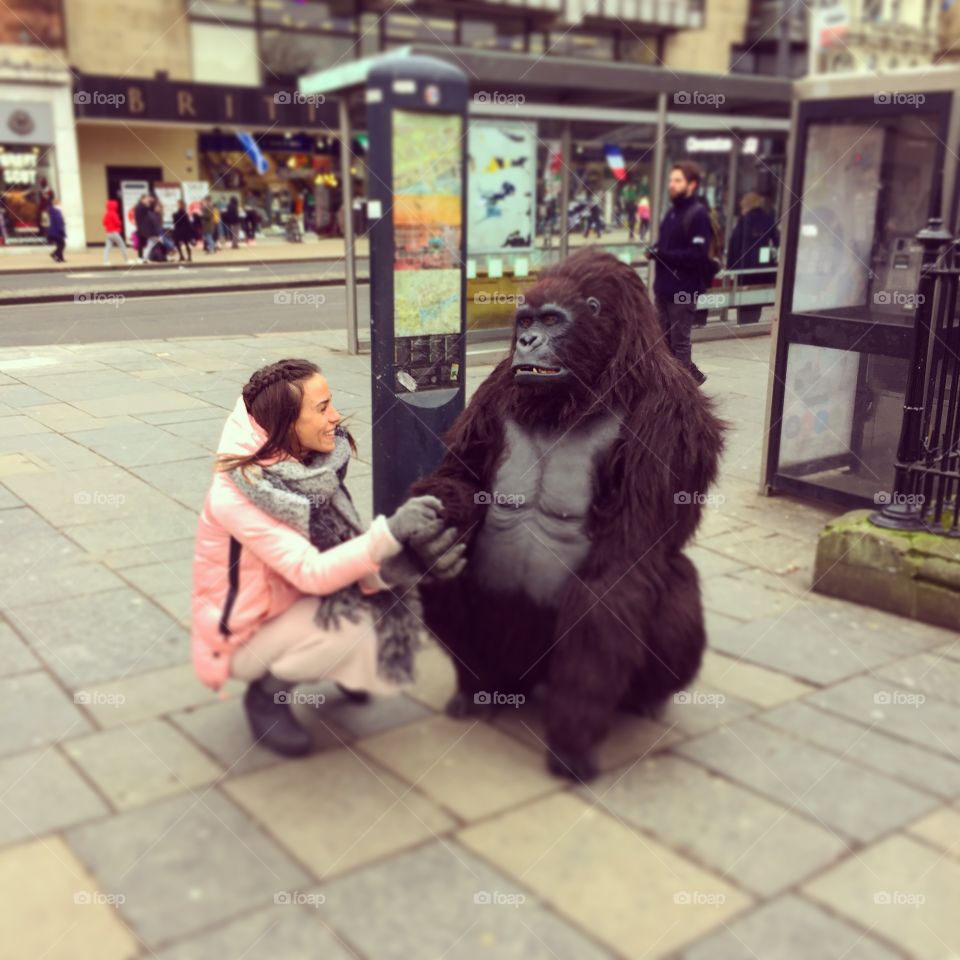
[420, 518]
[437, 559]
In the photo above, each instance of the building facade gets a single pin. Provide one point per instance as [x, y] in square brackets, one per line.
[170, 91]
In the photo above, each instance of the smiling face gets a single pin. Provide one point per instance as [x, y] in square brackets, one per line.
[315, 427]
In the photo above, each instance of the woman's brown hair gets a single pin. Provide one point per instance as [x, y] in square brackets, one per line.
[272, 396]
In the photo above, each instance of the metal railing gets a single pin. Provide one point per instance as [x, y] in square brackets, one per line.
[926, 489]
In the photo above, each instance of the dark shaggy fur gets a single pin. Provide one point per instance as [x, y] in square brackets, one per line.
[628, 630]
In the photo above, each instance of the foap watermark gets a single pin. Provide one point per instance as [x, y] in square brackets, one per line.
[305, 697]
[899, 898]
[884, 497]
[97, 498]
[495, 698]
[295, 898]
[301, 99]
[86, 898]
[699, 898]
[499, 98]
[98, 698]
[490, 497]
[297, 298]
[898, 298]
[497, 898]
[496, 297]
[687, 498]
[899, 698]
[895, 98]
[114, 300]
[698, 98]
[701, 698]
[84, 98]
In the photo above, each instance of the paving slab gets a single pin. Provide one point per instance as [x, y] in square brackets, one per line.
[173, 522]
[105, 636]
[376, 813]
[790, 928]
[814, 783]
[902, 890]
[747, 840]
[138, 763]
[34, 711]
[766, 688]
[566, 852]
[441, 901]
[54, 909]
[137, 445]
[40, 792]
[941, 829]
[864, 744]
[15, 655]
[183, 865]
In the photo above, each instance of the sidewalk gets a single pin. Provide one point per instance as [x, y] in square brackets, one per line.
[799, 802]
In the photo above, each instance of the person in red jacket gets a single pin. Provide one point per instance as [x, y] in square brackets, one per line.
[114, 229]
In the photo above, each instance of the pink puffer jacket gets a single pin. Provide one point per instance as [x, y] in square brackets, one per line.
[249, 567]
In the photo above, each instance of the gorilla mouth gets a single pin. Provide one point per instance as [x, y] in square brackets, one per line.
[530, 369]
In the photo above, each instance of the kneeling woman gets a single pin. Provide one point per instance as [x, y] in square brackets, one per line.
[287, 588]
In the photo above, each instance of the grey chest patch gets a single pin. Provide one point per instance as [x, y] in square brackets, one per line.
[534, 535]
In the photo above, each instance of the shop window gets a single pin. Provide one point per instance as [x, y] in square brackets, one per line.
[287, 55]
[639, 49]
[411, 28]
[588, 46]
[226, 55]
[241, 11]
[37, 22]
[26, 183]
[866, 195]
[502, 34]
[335, 16]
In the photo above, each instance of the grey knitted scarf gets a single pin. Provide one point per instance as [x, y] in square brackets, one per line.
[311, 497]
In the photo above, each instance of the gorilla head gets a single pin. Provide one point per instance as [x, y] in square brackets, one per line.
[585, 337]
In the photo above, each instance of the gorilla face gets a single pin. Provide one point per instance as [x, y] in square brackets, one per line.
[540, 332]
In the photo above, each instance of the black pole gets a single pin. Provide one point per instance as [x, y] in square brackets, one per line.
[903, 511]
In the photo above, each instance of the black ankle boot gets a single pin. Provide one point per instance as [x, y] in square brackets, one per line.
[273, 723]
[354, 696]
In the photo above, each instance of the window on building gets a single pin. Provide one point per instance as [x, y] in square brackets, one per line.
[500, 34]
[336, 16]
[241, 11]
[37, 22]
[588, 46]
[413, 28]
[639, 49]
[286, 55]
[370, 28]
[226, 55]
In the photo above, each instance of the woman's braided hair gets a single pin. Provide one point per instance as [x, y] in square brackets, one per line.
[289, 371]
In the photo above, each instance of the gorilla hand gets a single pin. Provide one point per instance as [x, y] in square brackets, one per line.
[419, 517]
[426, 561]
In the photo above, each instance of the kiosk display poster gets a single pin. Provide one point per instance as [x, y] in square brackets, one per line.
[427, 226]
[501, 185]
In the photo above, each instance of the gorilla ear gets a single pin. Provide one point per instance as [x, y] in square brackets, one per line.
[594, 304]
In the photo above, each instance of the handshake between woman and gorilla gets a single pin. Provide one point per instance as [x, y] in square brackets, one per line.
[574, 478]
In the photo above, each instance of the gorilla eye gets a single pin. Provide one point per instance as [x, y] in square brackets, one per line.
[524, 321]
[550, 319]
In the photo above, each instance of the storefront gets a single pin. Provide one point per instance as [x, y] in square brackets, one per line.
[270, 148]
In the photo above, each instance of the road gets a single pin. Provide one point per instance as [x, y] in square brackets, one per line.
[113, 317]
[138, 277]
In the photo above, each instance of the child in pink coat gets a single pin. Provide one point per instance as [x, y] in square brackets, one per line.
[261, 585]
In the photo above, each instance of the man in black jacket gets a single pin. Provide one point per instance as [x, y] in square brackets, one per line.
[682, 260]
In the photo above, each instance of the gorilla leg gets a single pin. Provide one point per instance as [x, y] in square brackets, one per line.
[677, 638]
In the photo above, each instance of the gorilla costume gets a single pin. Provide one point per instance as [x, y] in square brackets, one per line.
[576, 476]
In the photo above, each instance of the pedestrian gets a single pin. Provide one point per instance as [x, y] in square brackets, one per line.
[231, 222]
[57, 230]
[755, 231]
[643, 216]
[251, 222]
[113, 226]
[140, 212]
[683, 262]
[209, 221]
[182, 231]
[628, 205]
[153, 225]
[594, 222]
[287, 587]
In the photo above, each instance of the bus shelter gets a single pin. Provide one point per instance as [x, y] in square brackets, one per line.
[874, 173]
[559, 147]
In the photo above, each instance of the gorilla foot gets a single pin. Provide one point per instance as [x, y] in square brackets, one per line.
[580, 767]
[463, 704]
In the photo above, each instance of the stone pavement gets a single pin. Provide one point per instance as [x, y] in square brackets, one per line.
[800, 801]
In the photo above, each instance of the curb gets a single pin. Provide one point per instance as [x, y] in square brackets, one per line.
[70, 296]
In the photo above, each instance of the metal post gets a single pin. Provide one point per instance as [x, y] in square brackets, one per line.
[565, 191]
[349, 241]
[904, 512]
[659, 165]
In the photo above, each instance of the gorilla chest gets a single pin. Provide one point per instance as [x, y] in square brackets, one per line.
[534, 534]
